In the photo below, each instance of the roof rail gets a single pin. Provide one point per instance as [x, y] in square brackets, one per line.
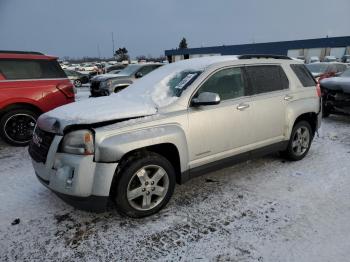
[20, 52]
[264, 56]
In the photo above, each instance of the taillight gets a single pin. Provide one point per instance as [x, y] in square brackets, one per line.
[2, 77]
[66, 89]
[318, 90]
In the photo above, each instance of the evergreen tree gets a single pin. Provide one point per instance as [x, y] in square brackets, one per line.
[183, 43]
[121, 54]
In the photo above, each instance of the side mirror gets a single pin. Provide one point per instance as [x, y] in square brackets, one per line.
[138, 75]
[206, 99]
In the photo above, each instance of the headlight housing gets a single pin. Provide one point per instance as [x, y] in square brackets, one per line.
[109, 84]
[80, 142]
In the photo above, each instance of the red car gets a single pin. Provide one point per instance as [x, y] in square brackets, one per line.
[31, 83]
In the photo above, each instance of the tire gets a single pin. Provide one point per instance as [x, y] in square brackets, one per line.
[77, 83]
[137, 192]
[17, 126]
[325, 112]
[299, 142]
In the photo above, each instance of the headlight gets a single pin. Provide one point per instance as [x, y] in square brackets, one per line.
[79, 142]
[109, 84]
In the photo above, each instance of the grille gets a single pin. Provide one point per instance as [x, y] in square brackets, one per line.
[95, 85]
[40, 145]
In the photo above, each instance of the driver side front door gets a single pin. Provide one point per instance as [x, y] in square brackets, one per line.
[220, 131]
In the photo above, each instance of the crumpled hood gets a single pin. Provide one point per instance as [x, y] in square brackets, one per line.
[96, 110]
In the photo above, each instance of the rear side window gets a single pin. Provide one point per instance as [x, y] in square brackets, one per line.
[31, 69]
[266, 78]
[303, 75]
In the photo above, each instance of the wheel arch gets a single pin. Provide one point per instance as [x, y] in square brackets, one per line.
[309, 117]
[20, 105]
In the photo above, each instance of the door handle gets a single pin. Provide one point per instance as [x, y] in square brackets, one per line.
[288, 97]
[242, 107]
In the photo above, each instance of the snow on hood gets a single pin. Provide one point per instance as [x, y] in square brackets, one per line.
[142, 98]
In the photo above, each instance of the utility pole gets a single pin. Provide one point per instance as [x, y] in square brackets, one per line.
[98, 51]
[113, 44]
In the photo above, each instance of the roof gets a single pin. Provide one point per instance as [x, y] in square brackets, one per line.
[280, 48]
[30, 55]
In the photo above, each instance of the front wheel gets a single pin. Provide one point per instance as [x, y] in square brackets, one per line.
[17, 126]
[299, 142]
[145, 185]
[77, 83]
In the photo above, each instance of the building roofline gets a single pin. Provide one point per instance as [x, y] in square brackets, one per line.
[338, 41]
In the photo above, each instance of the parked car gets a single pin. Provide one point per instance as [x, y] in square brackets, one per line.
[115, 72]
[179, 121]
[314, 59]
[30, 84]
[114, 67]
[346, 59]
[330, 59]
[336, 94]
[104, 85]
[88, 67]
[77, 78]
[325, 70]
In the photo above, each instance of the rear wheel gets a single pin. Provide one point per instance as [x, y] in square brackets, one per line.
[145, 185]
[300, 141]
[17, 126]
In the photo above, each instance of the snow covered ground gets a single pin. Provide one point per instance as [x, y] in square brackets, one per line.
[261, 210]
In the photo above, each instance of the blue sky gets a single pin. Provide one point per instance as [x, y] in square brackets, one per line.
[77, 28]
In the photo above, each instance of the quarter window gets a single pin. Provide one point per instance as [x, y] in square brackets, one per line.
[266, 78]
[303, 75]
[227, 83]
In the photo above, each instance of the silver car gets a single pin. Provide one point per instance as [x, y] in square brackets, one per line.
[177, 122]
[106, 84]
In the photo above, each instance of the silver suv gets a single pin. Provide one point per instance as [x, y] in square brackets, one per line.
[179, 121]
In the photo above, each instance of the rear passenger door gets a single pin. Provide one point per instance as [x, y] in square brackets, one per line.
[269, 87]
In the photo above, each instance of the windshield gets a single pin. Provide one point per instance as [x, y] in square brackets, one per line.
[180, 81]
[346, 73]
[167, 83]
[130, 70]
[317, 68]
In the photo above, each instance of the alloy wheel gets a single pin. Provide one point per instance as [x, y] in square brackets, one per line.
[301, 141]
[147, 187]
[19, 128]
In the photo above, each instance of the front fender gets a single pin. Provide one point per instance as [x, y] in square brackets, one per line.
[113, 148]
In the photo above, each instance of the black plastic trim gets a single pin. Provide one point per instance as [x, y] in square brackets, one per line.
[248, 56]
[226, 162]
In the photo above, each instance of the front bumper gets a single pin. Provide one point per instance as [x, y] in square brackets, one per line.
[98, 89]
[76, 177]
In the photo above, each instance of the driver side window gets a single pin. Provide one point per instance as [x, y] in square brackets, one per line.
[227, 83]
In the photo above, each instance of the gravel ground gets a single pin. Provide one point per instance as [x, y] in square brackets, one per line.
[261, 210]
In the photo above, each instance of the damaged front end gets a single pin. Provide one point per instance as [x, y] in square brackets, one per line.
[335, 101]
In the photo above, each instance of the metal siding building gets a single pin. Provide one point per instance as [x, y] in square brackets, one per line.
[323, 46]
